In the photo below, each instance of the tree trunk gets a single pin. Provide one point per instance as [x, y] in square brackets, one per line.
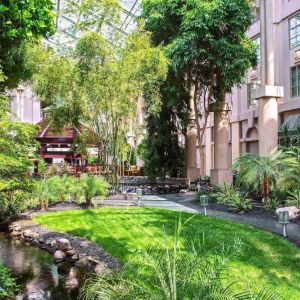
[265, 190]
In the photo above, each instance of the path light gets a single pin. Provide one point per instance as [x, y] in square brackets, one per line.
[139, 193]
[284, 220]
[204, 202]
[198, 186]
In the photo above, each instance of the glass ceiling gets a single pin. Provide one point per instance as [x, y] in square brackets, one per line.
[65, 36]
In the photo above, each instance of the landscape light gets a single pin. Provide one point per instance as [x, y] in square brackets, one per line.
[204, 202]
[139, 193]
[284, 220]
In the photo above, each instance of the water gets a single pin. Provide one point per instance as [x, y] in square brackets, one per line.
[38, 276]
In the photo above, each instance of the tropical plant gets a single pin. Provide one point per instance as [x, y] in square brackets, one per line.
[187, 267]
[230, 195]
[62, 186]
[225, 193]
[43, 193]
[240, 203]
[279, 168]
[273, 203]
[93, 186]
[294, 198]
[8, 285]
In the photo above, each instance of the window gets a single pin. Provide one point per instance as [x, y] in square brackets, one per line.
[258, 49]
[295, 81]
[295, 31]
[212, 134]
[250, 88]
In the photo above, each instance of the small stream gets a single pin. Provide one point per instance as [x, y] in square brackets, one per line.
[38, 276]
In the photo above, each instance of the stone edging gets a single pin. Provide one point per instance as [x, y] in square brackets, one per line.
[64, 247]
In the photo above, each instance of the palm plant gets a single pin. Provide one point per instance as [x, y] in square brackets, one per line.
[60, 187]
[189, 267]
[294, 198]
[93, 186]
[261, 172]
[43, 193]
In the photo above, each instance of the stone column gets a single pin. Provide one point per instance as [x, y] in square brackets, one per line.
[221, 173]
[235, 140]
[268, 93]
[208, 151]
[192, 172]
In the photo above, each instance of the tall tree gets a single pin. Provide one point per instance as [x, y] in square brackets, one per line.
[20, 22]
[207, 41]
[102, 85]
[163, 155]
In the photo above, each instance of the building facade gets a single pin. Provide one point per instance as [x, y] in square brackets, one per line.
[269, 97]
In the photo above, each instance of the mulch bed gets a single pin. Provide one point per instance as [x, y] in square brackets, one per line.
[257, 211]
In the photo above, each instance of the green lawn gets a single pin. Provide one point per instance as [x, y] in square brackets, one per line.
[266, 260]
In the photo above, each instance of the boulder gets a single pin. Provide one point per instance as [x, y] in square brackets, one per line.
[64, 245]
[70, 252]
[16, 234]
[59, 256]
[74, 257]
[293, 211]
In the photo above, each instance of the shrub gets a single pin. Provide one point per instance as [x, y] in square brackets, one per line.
[273, 203]
[231, 196]
[225, 193]
[240, 203]
[294, 198]
[93, 186]
[8, 285]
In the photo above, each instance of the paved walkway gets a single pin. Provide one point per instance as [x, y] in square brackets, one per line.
[187, 203]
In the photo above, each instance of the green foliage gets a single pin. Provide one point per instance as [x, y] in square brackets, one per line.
[101, 85]
[273, 203]
[187, 268]
[231, 196]
[264, 172]
[206, 44]
[21, 23]
[17, 148]
[8, 285]
[162, 153]
[294, 198]
[93, 186]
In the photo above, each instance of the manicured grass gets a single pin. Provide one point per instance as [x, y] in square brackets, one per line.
[267, 260]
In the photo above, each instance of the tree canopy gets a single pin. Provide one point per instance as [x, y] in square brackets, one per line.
[20, 22]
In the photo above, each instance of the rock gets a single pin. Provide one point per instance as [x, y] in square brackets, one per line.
[64, 245]
[70, 252]
[28, 233]
[82, 255]
[293, 211]
[51, 243]
[74, 257]
[41, 241]
[59, 256]
[101, 268]
[15, 234]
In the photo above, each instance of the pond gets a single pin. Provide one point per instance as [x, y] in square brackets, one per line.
[38, 276]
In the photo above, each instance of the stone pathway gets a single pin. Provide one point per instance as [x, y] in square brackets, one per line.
[187, 203]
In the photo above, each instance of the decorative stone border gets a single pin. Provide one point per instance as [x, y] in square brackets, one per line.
[64, 247]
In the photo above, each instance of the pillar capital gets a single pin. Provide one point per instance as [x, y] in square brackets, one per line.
[268, 91]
